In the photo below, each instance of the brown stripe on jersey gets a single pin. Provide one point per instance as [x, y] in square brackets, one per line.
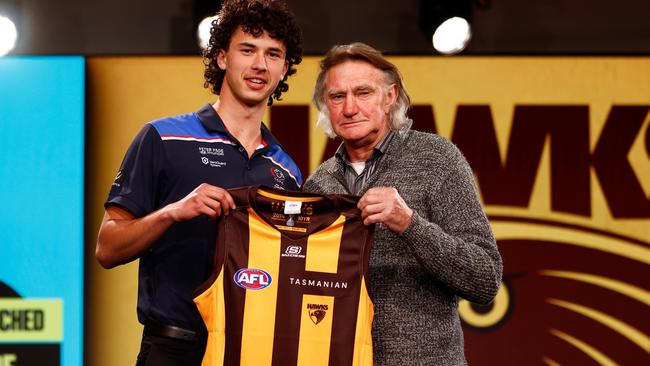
[289, 307]
[235, 296]
[365, 260]
[345, 316]
[217, 262]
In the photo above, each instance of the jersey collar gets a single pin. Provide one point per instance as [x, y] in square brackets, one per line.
[212, 122]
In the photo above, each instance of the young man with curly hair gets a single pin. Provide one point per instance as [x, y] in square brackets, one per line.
[173, 180]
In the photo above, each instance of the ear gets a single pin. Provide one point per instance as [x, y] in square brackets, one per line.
[221, 59]
[390, 98]
[285, 68]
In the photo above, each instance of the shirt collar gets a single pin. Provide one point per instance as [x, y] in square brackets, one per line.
[379, 150]
[212, 122]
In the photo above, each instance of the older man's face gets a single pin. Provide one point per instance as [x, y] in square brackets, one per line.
[357, 105]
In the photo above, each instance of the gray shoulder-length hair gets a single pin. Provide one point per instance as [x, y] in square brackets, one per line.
[361, 52]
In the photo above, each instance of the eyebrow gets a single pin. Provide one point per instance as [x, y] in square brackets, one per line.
[276, 49]
[331, 92]
[362, 87]
[251, 45]
[246, 44]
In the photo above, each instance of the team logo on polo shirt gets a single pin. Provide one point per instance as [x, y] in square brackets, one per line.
[252, 279]
[278, 175]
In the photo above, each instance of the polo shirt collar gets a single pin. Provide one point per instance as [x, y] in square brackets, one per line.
[212, 122]
[379, 149]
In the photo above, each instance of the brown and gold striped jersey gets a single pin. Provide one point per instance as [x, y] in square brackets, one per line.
[289, 285]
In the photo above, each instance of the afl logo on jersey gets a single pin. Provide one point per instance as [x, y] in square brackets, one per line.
[252, 279]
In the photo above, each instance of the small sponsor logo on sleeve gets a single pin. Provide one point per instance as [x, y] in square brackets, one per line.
[119, 178]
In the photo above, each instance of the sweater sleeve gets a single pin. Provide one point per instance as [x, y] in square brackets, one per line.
[456, 244]
[311, 186]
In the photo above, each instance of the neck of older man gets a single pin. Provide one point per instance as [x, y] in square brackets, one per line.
[362, 149]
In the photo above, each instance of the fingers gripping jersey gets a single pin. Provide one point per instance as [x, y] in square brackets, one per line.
[289, 288]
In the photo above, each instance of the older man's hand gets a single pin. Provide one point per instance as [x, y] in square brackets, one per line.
[385, 205]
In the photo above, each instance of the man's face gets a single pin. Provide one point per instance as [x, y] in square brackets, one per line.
[254, 67]
[357, 105]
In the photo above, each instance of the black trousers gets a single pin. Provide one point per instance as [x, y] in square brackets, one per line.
[165, 351]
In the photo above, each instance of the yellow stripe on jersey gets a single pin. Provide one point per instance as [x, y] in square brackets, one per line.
[315, 330]
[259, 311]
[211, 305]
[288, 198]
[323, 248]
[363, 335]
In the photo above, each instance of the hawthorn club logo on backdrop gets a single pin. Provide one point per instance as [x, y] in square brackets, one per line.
[573, 288]
[566, 196]
[570, 298]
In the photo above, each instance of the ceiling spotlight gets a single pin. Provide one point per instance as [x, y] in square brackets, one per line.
[203, 31]
[446, 23]
[8, 35]
[452, 36]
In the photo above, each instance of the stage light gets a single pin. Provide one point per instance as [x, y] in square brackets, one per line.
[446, 23]
[203, 30]
[203, 13]
[452, 36]
[8, 35]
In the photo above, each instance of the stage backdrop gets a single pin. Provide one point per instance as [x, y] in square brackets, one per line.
[41, 220]
[560, 149]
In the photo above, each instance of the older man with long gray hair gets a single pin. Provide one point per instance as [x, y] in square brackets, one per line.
[433, 243]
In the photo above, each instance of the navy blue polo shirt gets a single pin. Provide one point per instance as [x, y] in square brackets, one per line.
[168, 159]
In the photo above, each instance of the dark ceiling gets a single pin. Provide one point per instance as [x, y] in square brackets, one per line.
[164, 27]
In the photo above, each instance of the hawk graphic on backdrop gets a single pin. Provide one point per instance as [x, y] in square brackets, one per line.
[578, 300]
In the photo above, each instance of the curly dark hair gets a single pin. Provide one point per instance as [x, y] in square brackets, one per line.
[255, 17]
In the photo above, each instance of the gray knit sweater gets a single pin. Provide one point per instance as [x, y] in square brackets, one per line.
[448, 250]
